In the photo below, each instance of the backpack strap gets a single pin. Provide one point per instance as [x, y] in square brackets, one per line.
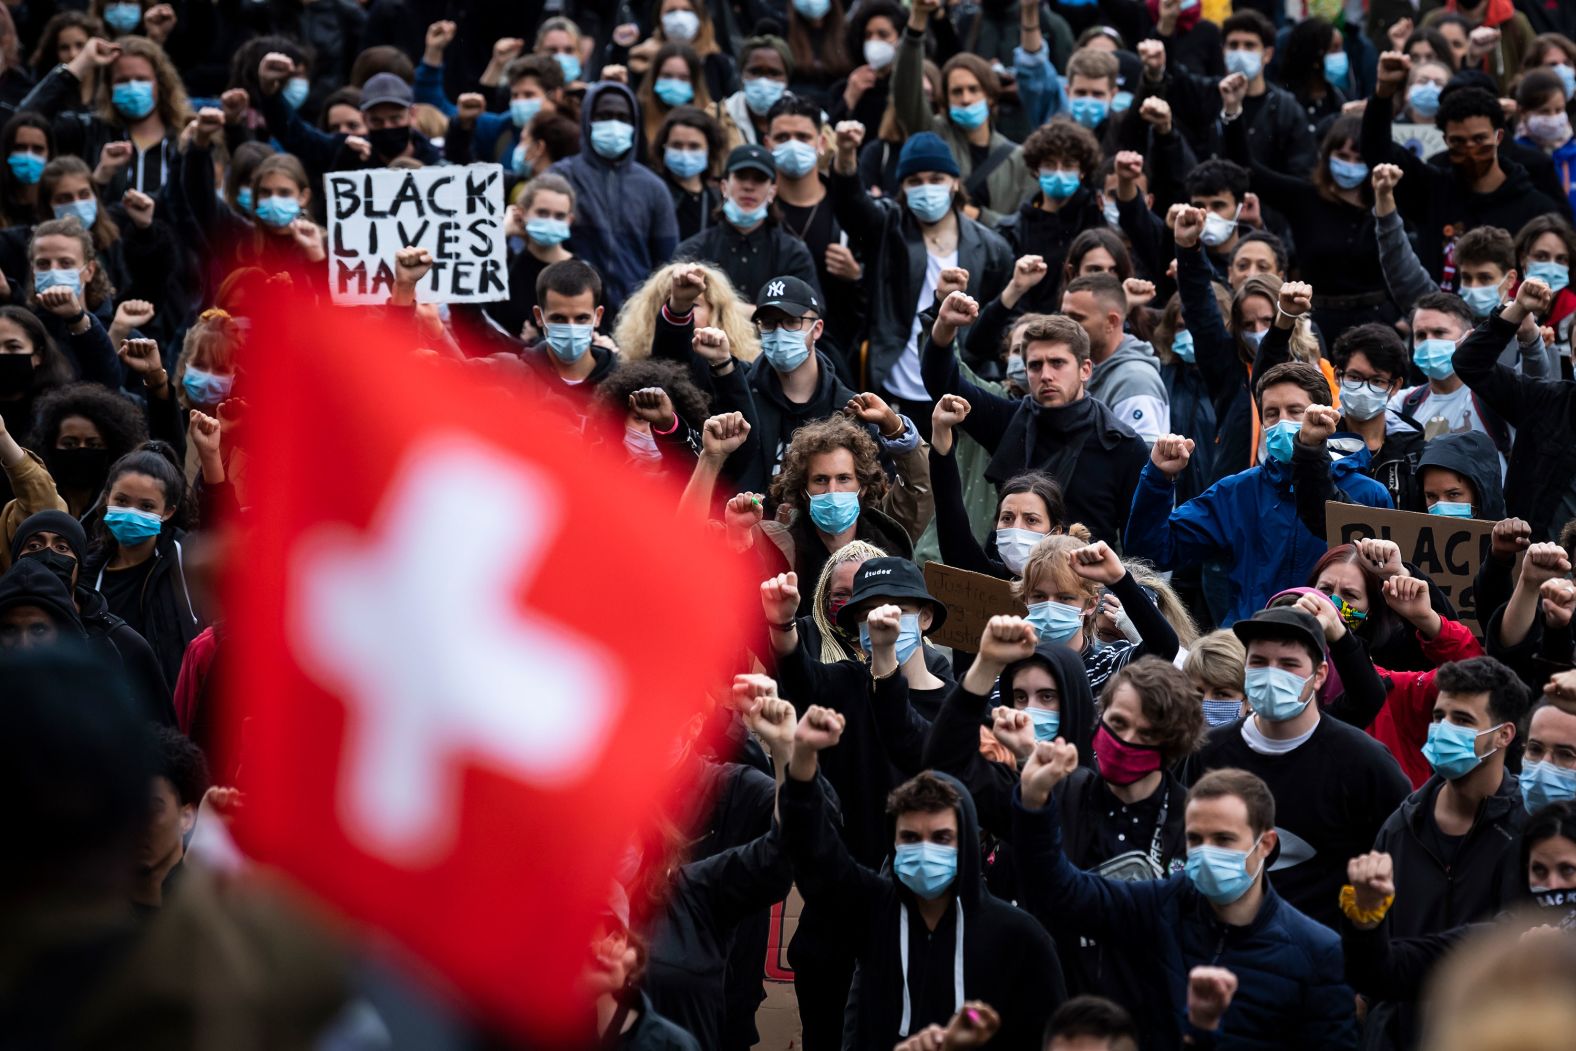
[977, 178]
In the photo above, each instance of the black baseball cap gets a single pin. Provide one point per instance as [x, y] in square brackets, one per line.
[787, 295]
[386, 87]
[888, 579]
[746, 158]
[1282, 624]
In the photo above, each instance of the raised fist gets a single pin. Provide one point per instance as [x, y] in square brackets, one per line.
[1050, 764]
[1318, 423]
[1171, 454]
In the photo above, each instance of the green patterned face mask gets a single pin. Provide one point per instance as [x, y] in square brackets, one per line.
[1351, 616]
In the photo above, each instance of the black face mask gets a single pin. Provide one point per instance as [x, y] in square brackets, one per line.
[78, 469]
[16, 374]
[389, 142]
[63, 566]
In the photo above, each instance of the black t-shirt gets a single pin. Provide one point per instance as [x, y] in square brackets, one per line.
[1443, 847]
[979, 154]
[816, 226]
[512, 313]
[1126, 827]
[1251, 104]
[123, 588]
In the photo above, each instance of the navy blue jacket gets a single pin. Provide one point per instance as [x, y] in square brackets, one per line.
[1291, 989]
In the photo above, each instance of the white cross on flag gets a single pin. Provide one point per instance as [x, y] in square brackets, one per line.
[462, 640]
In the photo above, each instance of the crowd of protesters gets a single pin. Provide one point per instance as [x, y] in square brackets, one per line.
[1106, 300]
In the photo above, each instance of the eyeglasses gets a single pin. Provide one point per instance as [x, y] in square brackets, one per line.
[792, 324]
[1375, 386]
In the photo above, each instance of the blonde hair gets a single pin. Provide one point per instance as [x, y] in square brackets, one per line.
[637, 321]
[1217, 660]
[1166, 600]
[215, 334]
[853, 551]
[429, 120]
[1050, 556]
[1303, 344]
[173, 107]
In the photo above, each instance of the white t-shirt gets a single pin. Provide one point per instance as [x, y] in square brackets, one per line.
[904, 380]
[1452, 413]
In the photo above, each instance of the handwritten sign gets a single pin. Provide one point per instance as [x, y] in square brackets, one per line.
[972, 599]
[456, 213]
[1448, 550]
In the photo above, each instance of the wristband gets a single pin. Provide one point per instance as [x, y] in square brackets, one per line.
[671, 429]
[1363, 917]
[784, 628]
[719, 366]
[80, 315]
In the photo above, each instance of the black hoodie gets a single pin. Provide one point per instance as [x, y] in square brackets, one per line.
[1472, 455]
[998, 951]
[31, 583]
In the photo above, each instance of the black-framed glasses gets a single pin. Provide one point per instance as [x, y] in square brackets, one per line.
[791, 324]
[1374, 386]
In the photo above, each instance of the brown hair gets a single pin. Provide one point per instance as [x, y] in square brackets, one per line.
[1093, 63]
[1304, 375]
[705, 42]
[1536, 227]
[1249, 788]
[829, 57]
[1057, 328]
[653, 110]
[1167, 699]
[381, 58]
[1106, 288]
[989, 81]
[174, 109]
[215, 334]
[1063, 138]
[104, 231]
[98, 288]
[1487, 244]
[1050, 556]
[824, 436]
[925, 793]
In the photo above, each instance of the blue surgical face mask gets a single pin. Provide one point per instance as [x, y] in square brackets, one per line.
[686, 164]
[547, 232]
[1450, 510]
[295, 91]
[929, 202]
[972, 116]
[1220, 874]
[568, 343]
[517, 159]
[612, 138]
[784, 350]
[1423, 97]
[277, 211]
[1544, 783]
[834, 512]
[1567, 77]
[1014, 545]
[674, 91]
[812, 9]
[206, 388]
[1248, 63]
[1182, 345]
[62, 278]
[1452, 750]
[908, 637]
[86, 211]
[570, 64]
[1121, 102]
[1481, 300]
[927, 869]
[128, 525]
[1555, 275]
[795, 159]
[1059, 184]
[743, 218]
[1360, 403]
[522, 110]
[1336, 65]
[1046, 723]
[27, 167]
[1281, 439]
[1348, 175]
[1255, 336]
[133, 99]
[1435, 358]
[761, 93]
[243, 199]
[1055, 621]
[1087, 111]
[1218, 711]
[1275, 693]
[1111, 210]
[122, 17]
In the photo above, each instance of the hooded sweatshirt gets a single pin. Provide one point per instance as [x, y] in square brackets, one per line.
[1130, 385]
[30, 583]
[1472, 455]
[910, 976]
[624, 224]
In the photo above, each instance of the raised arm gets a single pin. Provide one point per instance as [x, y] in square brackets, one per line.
[954, 533]
[1167, 537]
[822, 866]
[1404, 274]
[908, 71]
[1215, 350]
[938, 365]
[857, 212]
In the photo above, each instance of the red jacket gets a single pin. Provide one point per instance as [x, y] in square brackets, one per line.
[194, 673]
[1402, 724]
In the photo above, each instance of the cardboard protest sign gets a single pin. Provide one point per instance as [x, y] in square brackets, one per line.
[1448, 550]
[972, 599]
[456, 213]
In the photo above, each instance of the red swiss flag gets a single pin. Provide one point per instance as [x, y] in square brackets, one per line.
[464, 638]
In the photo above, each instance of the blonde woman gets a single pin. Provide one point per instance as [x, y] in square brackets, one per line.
[716, 305]
[1113, 624]
[832, 592]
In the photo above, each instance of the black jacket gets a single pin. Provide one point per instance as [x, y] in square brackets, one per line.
[776, 417]
[1472, 455]
[1005, 957]
[1031, 230]
[58, 97]
[752, 259]
[1093, 456]
[1278, 136]
[1539, 485]
[143, 674]
[888, 238]
[167, 611]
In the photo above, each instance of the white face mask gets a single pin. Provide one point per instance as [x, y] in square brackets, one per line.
[879, 54]
[1218, 229]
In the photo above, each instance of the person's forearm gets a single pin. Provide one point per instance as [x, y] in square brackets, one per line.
[1030, 38]
[981, 676]
[11, 453]
[802, 766]
[696, 498]
[785, 638]
[212, 468]
[883, 660]
[1519, 614]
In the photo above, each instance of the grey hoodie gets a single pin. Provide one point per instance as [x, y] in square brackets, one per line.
[1129, 384]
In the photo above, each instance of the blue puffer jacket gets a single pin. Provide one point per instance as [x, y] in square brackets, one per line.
[1291, 990]
[1250, 518]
